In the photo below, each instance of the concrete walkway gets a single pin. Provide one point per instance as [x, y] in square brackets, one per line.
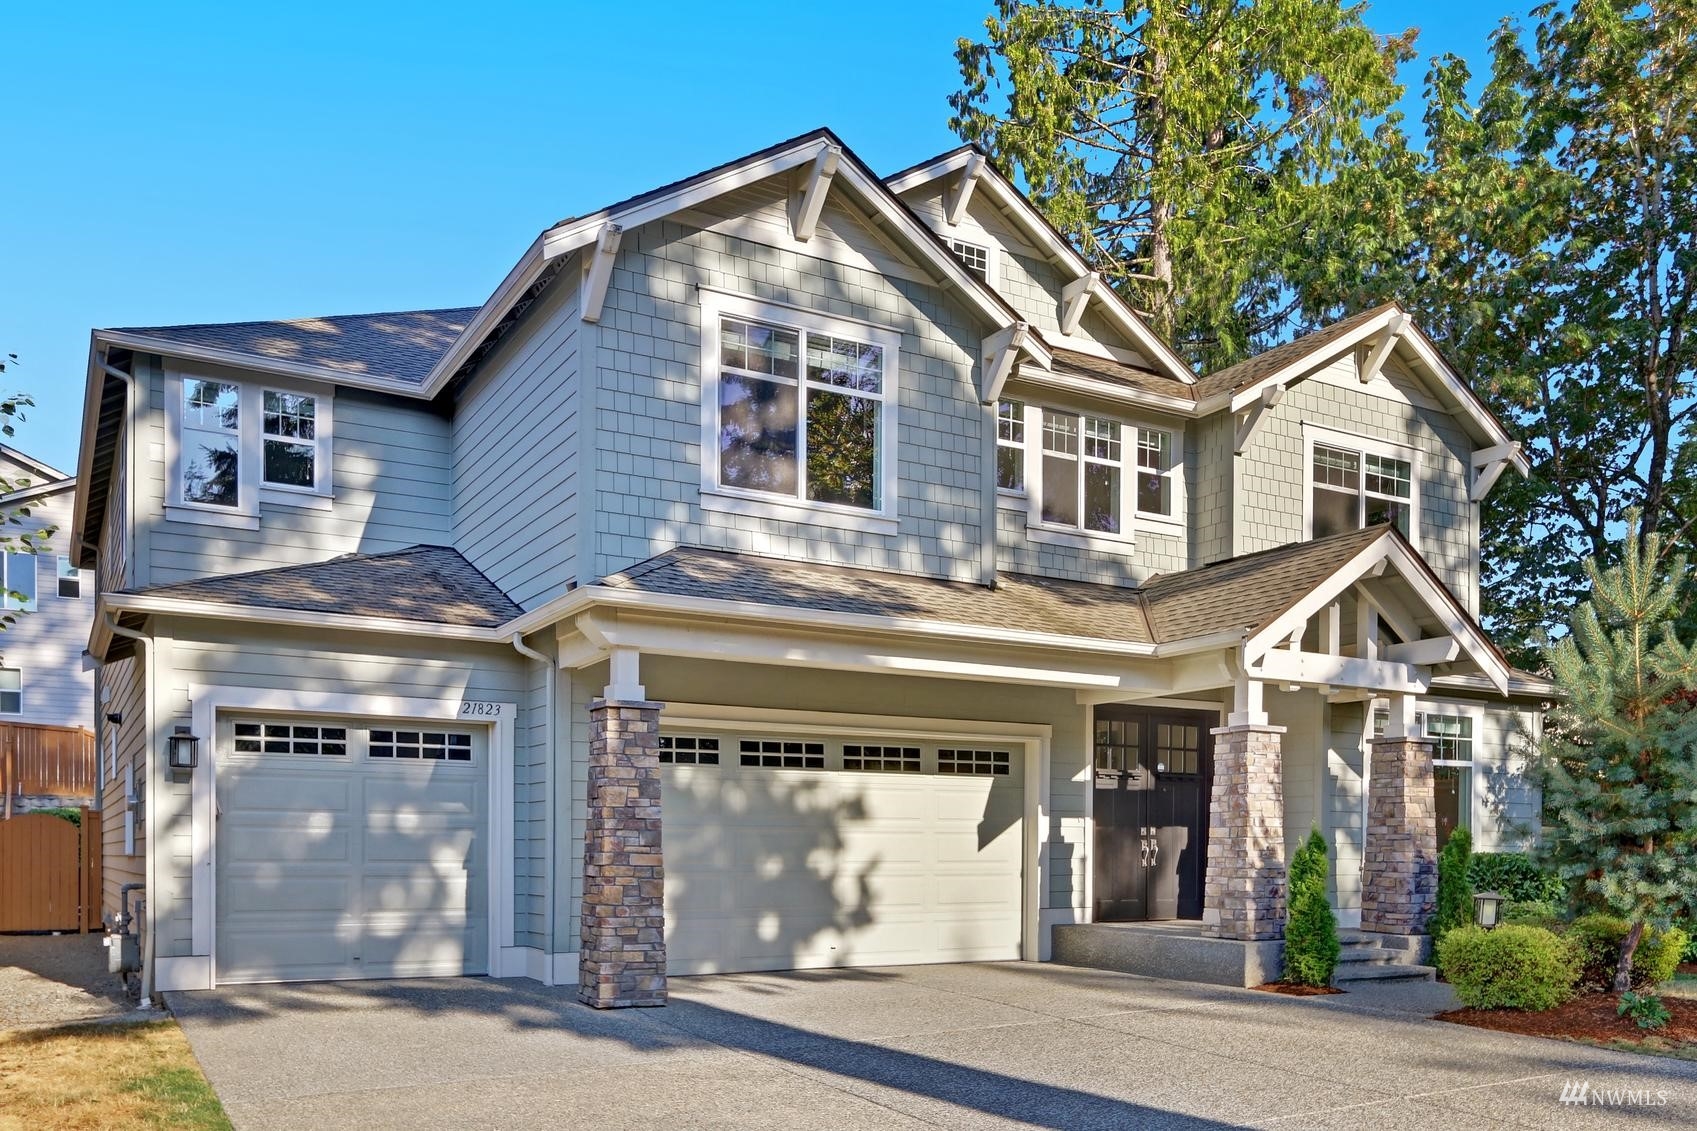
[927, 1046]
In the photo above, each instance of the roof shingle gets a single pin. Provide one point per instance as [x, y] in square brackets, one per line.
[1267, 362]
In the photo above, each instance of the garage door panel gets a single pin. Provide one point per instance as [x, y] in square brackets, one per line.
[312, 839]
[413, 789]
[304, 789]
[257, 892]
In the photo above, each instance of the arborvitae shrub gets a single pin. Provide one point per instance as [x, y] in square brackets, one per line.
[1311, 930]
[1455, 894]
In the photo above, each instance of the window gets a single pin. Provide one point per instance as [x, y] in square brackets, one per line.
[983, 762]
[19, 581]
[239, 445]
[11, 691]
[1352, 489]
[800, 410]
[885, 759]
[682, 751]
[290, 439]
[1010, 445]
[1155, 471]
[1451, 736]
[783, 755]
[427, 745]
[973, 256]
[287, 738]
[1177, 748]
[70, 579]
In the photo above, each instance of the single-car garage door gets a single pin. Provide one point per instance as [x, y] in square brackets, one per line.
[785, 853]
[350, 850]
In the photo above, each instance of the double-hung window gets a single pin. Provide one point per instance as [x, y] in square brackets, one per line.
[1353, 484]
[238, 445]
[801, 409]
[1092, 473]
[72, 582]
[19, 581]
[11, 691]
[1010, 445]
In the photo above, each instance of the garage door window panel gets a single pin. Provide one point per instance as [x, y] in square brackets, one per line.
[882, 759]
[421, 745]
[780, 755]
[290, 738]
[985, 762]
[688, 750]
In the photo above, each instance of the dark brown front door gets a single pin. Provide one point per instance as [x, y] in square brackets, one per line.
[1153, 773]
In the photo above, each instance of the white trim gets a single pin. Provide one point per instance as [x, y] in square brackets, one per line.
[732, 500]
[252, 363]
[323, 435]
[715, 305]
[208, 701]
[1104, 391]
[182, 972]
[201, 515]
[1363, 446]
[1034, 738]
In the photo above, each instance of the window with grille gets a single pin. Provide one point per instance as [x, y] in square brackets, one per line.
[986, 762]
[1010, 445]
[1176, 748]
[290, 738]
[974, 257]
[1353, 489]
[775, 754]
[885, 759]
[421, 745]
[687, 750]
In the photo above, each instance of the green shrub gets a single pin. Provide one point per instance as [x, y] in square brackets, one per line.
[1516, 877]
[1455, 894]
[1597, 939]
[1690, 929]
[72, 815]
[1511, 967]
[1647, 1010]
[1533, 913]
[1311, 930]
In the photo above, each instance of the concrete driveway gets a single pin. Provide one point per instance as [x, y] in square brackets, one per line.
[992, 1045]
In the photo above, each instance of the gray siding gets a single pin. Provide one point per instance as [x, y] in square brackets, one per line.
[1211, 496]
[46, 646]
[1507, 804]
[390, 479]
[1342, 799]
[123, 692]
[515, 436]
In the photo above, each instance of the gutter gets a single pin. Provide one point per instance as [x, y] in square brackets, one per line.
[149, 763]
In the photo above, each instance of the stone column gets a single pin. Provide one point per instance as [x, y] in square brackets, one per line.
[623, 957]
[1399, 860]
[1244, 897]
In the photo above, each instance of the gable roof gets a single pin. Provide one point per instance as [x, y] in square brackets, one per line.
[30, 463]
[397, 347]
[426, 584]
[1251, 370]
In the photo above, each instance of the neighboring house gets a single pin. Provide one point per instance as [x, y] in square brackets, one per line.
[785, 567]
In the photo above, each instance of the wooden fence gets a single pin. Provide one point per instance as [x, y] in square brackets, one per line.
[50, 873]
[36, 759]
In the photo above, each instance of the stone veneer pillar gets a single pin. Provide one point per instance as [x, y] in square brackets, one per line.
[1244, 897]
[623, 957]
[1399, 863]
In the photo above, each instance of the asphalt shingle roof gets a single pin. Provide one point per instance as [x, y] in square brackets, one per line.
[401, 345]
[1267, 362]
[429, 584]
[1241, 593]
[1119, 373]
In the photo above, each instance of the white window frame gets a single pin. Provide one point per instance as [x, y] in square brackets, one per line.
[12, 563]
[991, 276]
[1314, 435]
[251, 490]
[1022, 446]
[20, 692]
[1424, 708]
[1133, 519]
[82, 577]
[762, 504]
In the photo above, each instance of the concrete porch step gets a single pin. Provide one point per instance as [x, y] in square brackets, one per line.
[1383, 972]
[1376, 956]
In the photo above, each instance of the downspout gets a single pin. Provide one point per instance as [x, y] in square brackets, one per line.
[553, 770]
[149, 758]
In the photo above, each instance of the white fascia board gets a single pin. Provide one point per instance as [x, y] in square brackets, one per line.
[253, 363]
[489, 315]
[24, 494]
[1488, 427]
[154, 605]
[1301, 367]
[1518, 684]
[46, 470]
[1102, 390]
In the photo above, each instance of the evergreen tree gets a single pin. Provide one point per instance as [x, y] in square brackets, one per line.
[1311, 929]
[1455, 891]
[1618, 761]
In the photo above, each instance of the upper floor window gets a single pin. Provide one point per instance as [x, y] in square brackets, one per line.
[1090, 472]
[1356, 483]
[237, 443]
[802, 408]
[19, 581]
[71, 579]
[975, 257]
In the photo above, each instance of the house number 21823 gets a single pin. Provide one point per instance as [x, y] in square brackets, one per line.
[473, 709]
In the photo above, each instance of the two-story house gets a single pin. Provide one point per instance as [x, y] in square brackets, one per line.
[786, 567]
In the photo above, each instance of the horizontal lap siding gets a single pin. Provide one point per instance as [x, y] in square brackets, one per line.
[516, 445]
[1507, 804]
[390, 476]
[1345, 788]
[46, 645]
[123, 693]
[296, 660]
[648, 438]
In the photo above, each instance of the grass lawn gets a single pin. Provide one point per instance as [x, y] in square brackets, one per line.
[100, 1076]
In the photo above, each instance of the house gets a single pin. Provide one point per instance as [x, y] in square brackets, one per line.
[46, 693]
[786, 567]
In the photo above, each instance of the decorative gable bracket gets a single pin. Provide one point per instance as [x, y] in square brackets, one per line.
[1075, 296]
[598, 271]
[1001, 351]
[809, 201]
[1488, 465]
[1256, 415]
[1381, 351]
[958, 193]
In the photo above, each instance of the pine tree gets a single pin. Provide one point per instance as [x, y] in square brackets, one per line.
[1455, 892]
[1311, 930]
[1618, 762]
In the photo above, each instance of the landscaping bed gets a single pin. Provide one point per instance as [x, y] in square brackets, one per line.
[1291, 989]
[1592, 1018]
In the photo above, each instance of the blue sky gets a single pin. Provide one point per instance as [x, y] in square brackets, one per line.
[177, 162]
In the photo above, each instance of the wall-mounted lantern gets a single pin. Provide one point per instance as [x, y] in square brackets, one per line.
[182, 749]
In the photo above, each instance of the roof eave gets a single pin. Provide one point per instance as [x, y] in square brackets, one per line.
[258, 363]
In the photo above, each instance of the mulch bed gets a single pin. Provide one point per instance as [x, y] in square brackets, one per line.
[1291, 990]
[1688, 968]
[1588, 1017]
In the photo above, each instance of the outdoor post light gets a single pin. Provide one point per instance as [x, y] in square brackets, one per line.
[1485, 905]
[182, 749]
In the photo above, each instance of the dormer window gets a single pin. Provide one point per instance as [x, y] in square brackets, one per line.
[975, 257]
[237, 445]
[800, 408]
[1355, 482]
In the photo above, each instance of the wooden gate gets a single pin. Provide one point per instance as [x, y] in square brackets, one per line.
[50, 873]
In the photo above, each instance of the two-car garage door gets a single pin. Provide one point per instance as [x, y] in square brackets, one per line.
[787, 852]
[350, 850]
